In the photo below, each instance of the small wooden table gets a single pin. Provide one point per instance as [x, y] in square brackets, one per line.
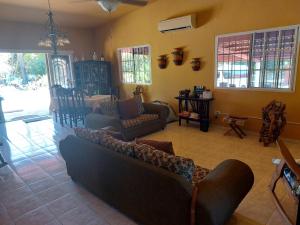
[198, 106]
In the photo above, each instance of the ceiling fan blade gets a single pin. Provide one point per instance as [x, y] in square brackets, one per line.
[135, 2]
[79, 1]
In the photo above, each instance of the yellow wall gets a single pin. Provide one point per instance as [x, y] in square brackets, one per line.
[25, 36]
[214, 17]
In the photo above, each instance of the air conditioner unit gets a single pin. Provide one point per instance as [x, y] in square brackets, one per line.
[180, 23]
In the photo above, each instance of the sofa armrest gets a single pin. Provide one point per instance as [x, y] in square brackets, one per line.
[97, 121]
[161, 110]
[221, 192]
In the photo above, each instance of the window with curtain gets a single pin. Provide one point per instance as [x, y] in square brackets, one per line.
[257, 60]
[135, 65]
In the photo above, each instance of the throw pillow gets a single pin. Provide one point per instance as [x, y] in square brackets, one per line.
[199, 174]
[165, 146]
[125, 148]
[139, 101]
[128, 109]
[182, 166]
[93, 136]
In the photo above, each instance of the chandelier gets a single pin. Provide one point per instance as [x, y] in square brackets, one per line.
[54, 38]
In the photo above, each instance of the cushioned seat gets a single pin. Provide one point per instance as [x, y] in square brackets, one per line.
[139, 120]
[292, 180]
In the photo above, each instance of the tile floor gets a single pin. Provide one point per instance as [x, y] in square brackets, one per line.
[36, 190]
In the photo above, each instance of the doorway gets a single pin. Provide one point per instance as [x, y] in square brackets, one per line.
[25, 83]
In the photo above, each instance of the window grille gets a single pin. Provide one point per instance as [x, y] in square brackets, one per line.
[135, 65]
[261, 59]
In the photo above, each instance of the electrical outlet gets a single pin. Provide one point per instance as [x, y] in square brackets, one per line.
[217, 114]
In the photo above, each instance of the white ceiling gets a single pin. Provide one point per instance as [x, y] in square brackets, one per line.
[67, 12]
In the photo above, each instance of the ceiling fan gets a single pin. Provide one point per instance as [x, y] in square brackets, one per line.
[111, 5]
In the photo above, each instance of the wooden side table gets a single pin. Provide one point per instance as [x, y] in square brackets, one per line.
[199, 108]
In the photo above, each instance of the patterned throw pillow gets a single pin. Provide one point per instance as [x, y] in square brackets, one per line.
[139, 101]
[93, 136]
[126, 148]
[165, 146]
[176, 164]
[199, 174]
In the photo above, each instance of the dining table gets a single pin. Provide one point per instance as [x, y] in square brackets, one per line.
[93, 102]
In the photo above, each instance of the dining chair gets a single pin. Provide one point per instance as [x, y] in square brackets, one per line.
[78, 108]
[64, 100]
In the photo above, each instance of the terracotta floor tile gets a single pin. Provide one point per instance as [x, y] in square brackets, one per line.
[40, 216]
[51, 194]
[18, 209]
[78, 216]
[63, 205]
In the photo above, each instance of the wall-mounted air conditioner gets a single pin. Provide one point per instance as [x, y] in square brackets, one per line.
[176, 24]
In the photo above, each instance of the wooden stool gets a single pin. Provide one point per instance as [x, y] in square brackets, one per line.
[234, 124]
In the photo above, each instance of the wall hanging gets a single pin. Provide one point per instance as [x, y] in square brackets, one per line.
[163, 61]
[196, 64]
[178, 56]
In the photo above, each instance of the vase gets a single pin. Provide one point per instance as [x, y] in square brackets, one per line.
[196, 64]
[162, 61]
[178, 56]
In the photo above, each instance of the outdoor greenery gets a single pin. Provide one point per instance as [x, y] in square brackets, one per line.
[21, 68]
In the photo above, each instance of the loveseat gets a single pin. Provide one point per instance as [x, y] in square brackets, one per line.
[154, 118]
[154, 196]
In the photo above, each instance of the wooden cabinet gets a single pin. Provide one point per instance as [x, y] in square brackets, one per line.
[94, 77]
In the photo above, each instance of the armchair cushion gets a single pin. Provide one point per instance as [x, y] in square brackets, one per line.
[292, 180]
[128, 109]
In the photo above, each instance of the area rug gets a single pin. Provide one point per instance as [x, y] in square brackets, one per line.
[35, 118]
[31, 118]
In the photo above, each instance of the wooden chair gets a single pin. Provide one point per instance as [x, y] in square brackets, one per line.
[287, 165]
[234, 124]
[78, 108]
[64, 99]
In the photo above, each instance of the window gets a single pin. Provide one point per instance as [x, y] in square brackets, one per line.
[257, 60]
[135, 65]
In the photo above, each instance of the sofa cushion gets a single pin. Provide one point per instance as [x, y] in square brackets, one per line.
[165, 146]
[139, 120]
[182, 166]
[93, 136]
[199, 174]
[128, 109]
[126, 148]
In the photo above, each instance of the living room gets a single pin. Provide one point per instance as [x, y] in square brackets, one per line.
[228, 66]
